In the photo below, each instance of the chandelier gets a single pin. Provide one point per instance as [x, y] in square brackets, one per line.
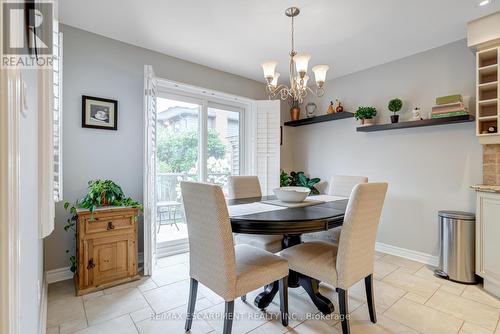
[298, 72]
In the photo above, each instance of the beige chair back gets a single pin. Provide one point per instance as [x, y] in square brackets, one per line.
[356, 249]
[342, 185]
[243, 187]
[211, 257]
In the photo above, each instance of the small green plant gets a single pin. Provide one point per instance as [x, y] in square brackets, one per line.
[299, 179]
[365, 113]
[395, 105]
[100, 193]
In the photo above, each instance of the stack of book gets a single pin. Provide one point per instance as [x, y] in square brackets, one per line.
[448, 106]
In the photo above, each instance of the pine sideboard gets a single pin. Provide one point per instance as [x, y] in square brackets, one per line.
[106, 248]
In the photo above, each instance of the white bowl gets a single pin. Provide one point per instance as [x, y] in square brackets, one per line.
[292, 194]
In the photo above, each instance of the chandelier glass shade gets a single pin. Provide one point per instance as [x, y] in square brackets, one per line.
[299, 63]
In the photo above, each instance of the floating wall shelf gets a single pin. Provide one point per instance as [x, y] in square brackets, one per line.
[321, 118]
[416, 124]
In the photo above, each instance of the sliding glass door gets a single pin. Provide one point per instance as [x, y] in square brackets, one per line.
[197, 140]
[177, 149]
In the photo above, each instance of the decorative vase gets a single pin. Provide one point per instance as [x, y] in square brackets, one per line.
[331, 109]
[339, 107]
[367, 121]
[311, 109]
[295, 113]
[394, 118]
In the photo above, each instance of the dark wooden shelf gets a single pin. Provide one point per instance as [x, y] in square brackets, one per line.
[321, 118]
[416, 124]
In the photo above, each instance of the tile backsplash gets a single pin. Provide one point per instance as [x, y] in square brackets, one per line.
[491, 165]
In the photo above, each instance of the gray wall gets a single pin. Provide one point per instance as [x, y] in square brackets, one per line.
[102, 67]
[428, 169]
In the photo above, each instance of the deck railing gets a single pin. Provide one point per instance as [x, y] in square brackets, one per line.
[168, 184]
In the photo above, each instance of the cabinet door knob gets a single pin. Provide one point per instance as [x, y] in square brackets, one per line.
[91, 264]
[110, 226]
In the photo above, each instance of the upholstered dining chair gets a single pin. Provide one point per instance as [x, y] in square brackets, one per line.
[342, 186]
[228, 270]
[246, 187]
[352, 260]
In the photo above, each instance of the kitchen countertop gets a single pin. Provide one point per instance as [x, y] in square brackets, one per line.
[486, 188]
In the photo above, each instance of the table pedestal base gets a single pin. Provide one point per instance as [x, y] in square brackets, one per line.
[295, 280]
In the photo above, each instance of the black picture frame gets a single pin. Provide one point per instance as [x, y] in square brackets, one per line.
[107, 111]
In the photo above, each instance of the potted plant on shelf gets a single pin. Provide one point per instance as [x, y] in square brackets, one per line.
[366, 115]
[100, 193]
[295, 110]
[394, 106]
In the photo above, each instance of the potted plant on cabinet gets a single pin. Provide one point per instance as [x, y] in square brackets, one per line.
[295, 110]
[394, 106]
[366, 115]
[100, 193]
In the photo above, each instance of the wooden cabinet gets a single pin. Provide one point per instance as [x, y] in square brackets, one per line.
[106, 248]
[487, 240]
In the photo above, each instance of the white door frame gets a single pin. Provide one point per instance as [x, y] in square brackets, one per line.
[10, 111]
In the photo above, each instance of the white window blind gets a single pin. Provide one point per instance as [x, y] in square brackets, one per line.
[58, 122]
[150, 95]
[267, 144]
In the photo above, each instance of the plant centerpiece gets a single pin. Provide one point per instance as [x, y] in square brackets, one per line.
[295, 110]
[394, 106]
[299, 179]
[100, 193]
[366, 115]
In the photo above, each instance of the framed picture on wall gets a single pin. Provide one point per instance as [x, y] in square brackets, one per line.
[99, 113]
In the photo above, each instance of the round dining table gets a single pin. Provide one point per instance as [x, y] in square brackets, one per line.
[291, 223]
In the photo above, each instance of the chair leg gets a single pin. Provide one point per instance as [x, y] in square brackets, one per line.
[228, 317]
[344, 311]
[370, 298]
[244, 298]
[193, 291]
[283, 286]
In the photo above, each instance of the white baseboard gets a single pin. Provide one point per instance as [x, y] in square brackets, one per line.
[407, 254]
[57, 275]
[62, 274]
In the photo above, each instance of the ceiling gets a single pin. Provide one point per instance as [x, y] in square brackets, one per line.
[235, 36]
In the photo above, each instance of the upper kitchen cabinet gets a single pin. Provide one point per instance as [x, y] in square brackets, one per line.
[483, 36]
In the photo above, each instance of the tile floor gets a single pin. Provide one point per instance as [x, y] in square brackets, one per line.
[409, 299]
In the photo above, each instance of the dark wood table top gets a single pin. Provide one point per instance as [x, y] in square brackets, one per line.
[291, 221]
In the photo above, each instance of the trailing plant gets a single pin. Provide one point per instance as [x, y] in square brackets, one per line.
[365, 113]
[299, 179]
[100, 193]
[395, 105]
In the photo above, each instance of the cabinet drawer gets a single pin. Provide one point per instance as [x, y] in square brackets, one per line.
[108, 223]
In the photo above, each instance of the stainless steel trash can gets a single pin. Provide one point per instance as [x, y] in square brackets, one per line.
[457, 249]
